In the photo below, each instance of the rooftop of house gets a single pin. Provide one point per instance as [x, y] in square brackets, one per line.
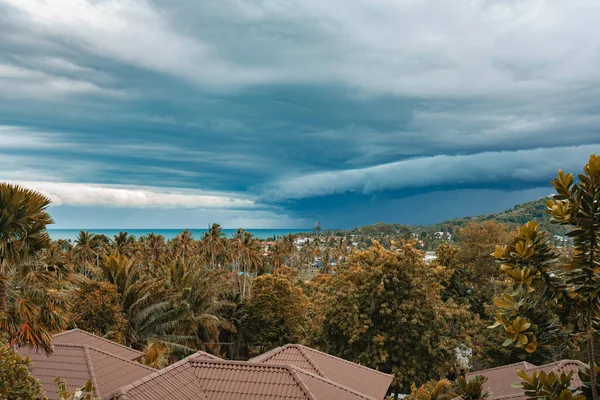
[77, 363]
[357, 377]
[78, 336]
[235, 380]
[501, 379]
[288, 372]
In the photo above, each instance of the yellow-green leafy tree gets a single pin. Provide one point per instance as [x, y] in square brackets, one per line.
[16, 381]
[384, 310]
[276, 312]
[553, 300]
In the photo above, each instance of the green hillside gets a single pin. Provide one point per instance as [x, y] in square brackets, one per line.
[518, 215]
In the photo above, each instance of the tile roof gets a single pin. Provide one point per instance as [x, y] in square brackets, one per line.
[76, 364]
[77, 336]
[234, 380]
[500, 379]
[175, 382]
[354, 376]
[202, 355]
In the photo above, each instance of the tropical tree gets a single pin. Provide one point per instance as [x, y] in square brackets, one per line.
[199, 299]
[553, 301]
[471, 389]
[146, 301]
[16, 381]
[213, 245]
[31, 306]
[245, 251]
[85, 250]
[551, 386]
[97, 308]
[384, 310]
[432, 390]
[123, 243]
[276, 312]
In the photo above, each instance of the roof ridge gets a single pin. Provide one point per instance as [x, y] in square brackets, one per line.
[289, 367]
[557, 364]
[269, 354]
[99, 337]
[157, 372]
[503, 366]
[346, 361]
[120, 358]
[311, 362]
[90, 367]
[294, 373]
[330, 382]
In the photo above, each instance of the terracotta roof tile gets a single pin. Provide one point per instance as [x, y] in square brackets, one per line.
[205, 379]
[500, 379]
[202, 355]
[77, 336]
[76, 364]
[357, 377]
[175, 382]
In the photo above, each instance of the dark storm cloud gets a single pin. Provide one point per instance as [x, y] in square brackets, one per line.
[292, 111]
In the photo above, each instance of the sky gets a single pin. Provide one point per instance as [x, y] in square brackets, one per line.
[281, 113]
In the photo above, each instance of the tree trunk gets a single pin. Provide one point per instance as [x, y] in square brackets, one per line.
[591, 354]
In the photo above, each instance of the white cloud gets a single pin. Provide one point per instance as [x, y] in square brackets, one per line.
[16, 81]
[433, 48]
[502, 168]
[81, 194]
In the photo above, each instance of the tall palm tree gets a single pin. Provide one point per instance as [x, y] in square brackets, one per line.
[31, 308]
[213, 246]
[154, 248]
[185, 244]
[123, 243]
[85, 250]
[247, 253]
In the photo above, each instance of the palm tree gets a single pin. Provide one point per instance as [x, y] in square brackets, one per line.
[201, 298]
[247, 252]
[154, 248]
[185, 244]
[123, 243]
[146, 303]
[85, 250]
[31, 308]
[213, 245]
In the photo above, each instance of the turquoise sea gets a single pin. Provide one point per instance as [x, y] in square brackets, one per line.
[71, 234]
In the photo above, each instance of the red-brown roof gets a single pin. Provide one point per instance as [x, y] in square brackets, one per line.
[175, 382]
[235, 380]
[357, 377]
[76, 364]
[77, 336]
[500, 379]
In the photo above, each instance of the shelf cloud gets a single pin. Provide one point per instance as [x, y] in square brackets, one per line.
[81, 194]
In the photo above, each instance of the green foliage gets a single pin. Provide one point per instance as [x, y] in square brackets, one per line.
[276, 312]
[432, 390]
[16, 381]
[384, 309]
[586, 380]
[556, 302]
[471, 389]
[552, 386]
[96, 308]
[31, 306]
[86, 392]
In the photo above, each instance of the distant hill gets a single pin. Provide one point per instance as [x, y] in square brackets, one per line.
[516, 216]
